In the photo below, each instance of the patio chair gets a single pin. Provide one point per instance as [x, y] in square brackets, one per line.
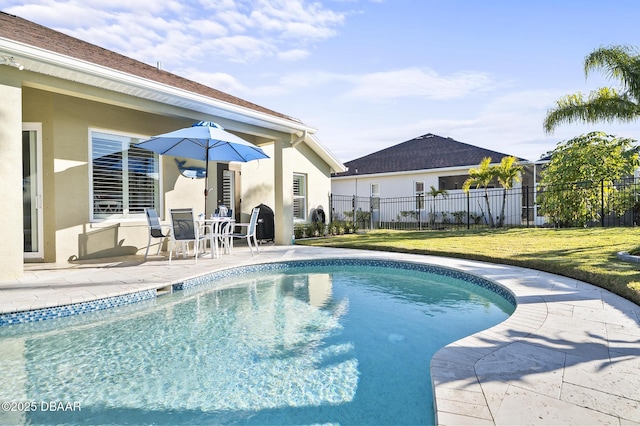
[251, 230]
[225, 232]
[155, 230]
[184, 229]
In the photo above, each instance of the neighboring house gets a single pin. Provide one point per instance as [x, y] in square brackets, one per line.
[69, 117]
[411, 168]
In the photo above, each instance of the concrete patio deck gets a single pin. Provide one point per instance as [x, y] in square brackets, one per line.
[570, 353]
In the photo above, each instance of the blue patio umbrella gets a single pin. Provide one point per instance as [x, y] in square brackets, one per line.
[204, 140]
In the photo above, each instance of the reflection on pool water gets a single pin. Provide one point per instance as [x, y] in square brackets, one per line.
[328, 343]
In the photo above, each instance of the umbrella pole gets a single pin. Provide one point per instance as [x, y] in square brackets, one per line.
[206, 184]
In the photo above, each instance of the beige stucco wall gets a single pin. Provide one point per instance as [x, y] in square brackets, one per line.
[318, 178]
[257, 179]
[12, 245]
[69, 232]
[67, 111]
[257, 183]
[66, 122]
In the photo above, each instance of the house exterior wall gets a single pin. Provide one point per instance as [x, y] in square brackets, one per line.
[391, 185]
[258, 185]
[58, 95]
[11, 176]
[318, 178]
[401, 186]
[70, 233]
[67, 122]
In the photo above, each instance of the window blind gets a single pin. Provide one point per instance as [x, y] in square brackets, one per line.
[124, 178]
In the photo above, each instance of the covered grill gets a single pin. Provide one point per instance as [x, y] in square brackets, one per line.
[266, 225]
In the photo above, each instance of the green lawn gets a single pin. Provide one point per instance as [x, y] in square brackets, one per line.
[586, 254]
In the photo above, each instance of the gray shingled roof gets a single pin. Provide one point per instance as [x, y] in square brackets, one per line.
[20, 30]
[421, 153]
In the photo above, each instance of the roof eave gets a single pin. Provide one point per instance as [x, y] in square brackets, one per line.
[327, 156]
[68, 68]
[405, 172]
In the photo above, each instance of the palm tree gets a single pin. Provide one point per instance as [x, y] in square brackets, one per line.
[508, 172]
[481, 177]
[434, 193]
[605, 104]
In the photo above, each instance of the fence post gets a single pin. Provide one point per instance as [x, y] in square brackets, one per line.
[468, 212]
[420, 202]
[354, 201]
[330, 208]
[602, 203]
[526, 195]
[370, 212]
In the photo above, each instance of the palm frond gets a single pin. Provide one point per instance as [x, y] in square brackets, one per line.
[480, 176]
[508, 171]
[604, 104]
[621, 63]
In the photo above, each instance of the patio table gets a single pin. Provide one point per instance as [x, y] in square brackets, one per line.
[213, 225]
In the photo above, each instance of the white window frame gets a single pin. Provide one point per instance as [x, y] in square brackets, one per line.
[300, 197]
[419, 193]
[375, 190]
[125, 215]
[228, 195]
[375, 196]
[37, 196]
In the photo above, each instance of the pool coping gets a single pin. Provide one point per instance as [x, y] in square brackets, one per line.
[570, 352]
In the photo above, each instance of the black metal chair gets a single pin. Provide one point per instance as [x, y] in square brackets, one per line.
[155, 230]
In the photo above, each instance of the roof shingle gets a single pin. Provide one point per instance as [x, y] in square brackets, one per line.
[421, 153]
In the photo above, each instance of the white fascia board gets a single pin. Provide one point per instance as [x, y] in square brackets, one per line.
[333, 162]
[465, 169]
[68, 68]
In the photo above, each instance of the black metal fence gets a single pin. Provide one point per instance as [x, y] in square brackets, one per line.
[563, 205]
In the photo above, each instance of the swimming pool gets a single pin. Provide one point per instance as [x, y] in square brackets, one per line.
[332, 341]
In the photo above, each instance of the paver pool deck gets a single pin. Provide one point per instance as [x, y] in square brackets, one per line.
[569, 354]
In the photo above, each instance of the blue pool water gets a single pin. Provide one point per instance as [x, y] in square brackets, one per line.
[329, 343]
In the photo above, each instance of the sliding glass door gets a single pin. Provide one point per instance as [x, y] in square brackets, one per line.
[32, 189]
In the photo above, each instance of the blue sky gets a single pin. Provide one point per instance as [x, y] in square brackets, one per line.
[369, 74]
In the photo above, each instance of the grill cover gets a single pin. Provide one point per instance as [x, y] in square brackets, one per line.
[266, 226]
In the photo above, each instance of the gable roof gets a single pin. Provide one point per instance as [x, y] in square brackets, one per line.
[43, 50]
[421, 153]
[18, 29]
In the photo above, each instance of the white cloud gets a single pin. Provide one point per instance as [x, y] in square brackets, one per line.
[298, 18]
[392, 85]
[293, 55]
[303, 79]
[240, 30]
[221, 81]
[235, 21]
[306, 30]
[510, 123]
[242, 49]
[208, 28]
[417, 82]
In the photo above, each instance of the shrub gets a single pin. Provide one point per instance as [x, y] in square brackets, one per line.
[308, 230]
[458, 217]
[445, 218]
[476, 218]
